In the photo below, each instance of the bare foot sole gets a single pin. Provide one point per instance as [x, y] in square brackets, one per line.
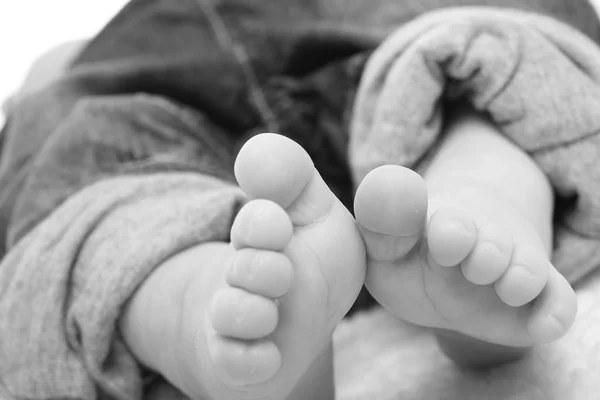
[478, 270]
[256, 317]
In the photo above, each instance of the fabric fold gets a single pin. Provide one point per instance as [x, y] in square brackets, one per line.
[537, 78]
[72, 274]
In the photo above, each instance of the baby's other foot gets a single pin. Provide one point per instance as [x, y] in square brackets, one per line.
[298, 265]
[476, 267]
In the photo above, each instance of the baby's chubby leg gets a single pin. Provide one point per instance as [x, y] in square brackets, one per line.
[253, 319]
[475, 265]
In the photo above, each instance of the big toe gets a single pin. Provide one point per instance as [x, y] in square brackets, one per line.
[273, 167]
[391, 207]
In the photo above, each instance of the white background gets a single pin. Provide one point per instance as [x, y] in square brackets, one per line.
[30, 27]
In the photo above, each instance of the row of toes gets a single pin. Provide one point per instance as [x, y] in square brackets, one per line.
[487, 255]
[244, 311]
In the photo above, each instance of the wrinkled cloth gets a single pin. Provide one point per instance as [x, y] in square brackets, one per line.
[128, 159]
[92, 250]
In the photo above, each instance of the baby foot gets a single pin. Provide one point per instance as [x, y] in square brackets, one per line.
[298, 266]
[253, 319]
[478, 270]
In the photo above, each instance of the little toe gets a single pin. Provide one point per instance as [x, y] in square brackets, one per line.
[491, 256]
[525, 278]
[239, 314]
[262, 224]
[451, 236]
[390, 207]
[238, 363]
[554, 311]
[266, 273]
